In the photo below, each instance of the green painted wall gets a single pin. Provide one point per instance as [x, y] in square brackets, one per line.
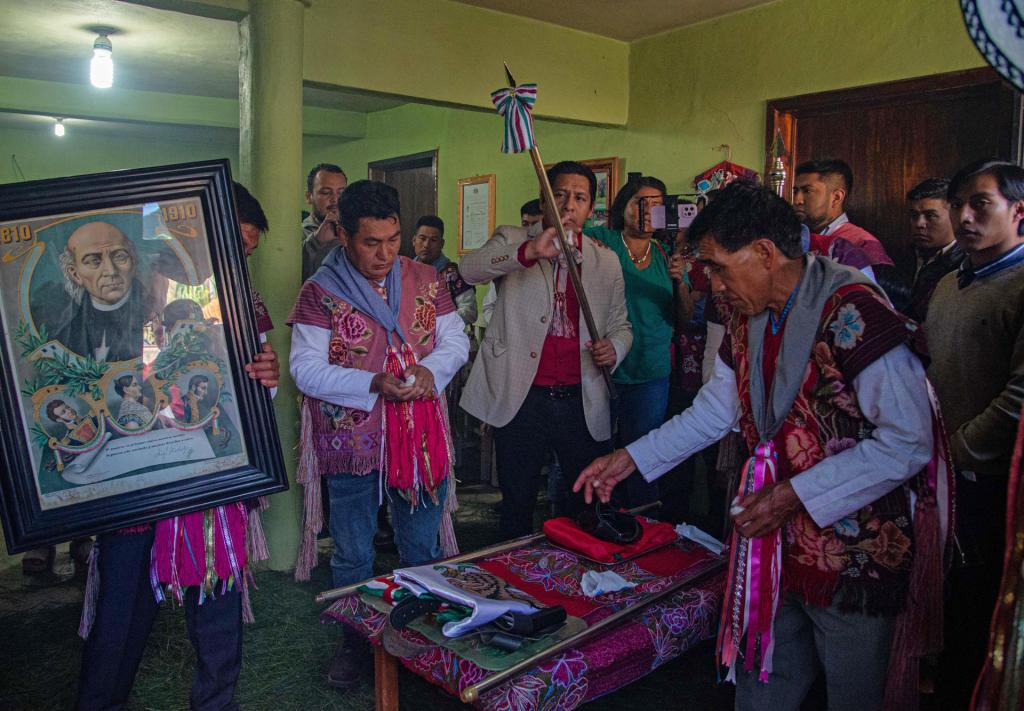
[723, 72]
[726, 69]
[469, 144]
[452, 53]
[42, 155]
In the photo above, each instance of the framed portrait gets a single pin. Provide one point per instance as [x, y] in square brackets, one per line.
[126, 320]
[476, 212]
[606, 170]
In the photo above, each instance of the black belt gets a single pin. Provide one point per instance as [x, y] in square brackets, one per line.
[559, 392]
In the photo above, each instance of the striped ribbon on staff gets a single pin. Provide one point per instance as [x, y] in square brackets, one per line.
[515, 106]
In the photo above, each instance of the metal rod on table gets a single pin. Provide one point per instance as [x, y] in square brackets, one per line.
[336, 593]
[472, 693]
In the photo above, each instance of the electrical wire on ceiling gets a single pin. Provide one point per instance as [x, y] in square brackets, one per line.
[16, 169]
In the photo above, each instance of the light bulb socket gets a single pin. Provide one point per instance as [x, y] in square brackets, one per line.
[103, 42]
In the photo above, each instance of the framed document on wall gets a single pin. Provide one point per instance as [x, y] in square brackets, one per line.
[476, 211]
[125, 326]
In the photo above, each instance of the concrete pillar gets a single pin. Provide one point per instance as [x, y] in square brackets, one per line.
[270, 158]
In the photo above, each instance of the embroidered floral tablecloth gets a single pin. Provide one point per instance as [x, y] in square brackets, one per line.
[618, 657]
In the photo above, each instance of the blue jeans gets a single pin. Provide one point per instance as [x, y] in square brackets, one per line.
[354, 503]
[639, 409]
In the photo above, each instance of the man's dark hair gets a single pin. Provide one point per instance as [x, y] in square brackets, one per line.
[617, 212]
[366, 198]
[51, 409]
[430, 221]
[571, 167]
[929, 188]
[249, 209]
[121, 383]
[743, 212]
[197, 380]
[1009, 177]
[829, 167]
[531, 208]
[328, 167]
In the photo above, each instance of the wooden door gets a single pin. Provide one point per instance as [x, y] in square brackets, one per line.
[415, 179]
[895, 135]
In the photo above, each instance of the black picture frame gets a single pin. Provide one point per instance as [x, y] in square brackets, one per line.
[30, 519]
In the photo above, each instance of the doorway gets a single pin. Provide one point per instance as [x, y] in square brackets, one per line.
[894, 135]
[415, 179]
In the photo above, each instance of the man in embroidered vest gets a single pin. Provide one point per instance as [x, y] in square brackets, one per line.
[975, 331]
[938, 253]
[821, 190]
[320, 233]
[834, 408]
[375, 338]
[427, 242]
[536, 377]
[130, 568]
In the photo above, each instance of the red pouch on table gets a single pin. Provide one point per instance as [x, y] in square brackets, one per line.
[566, 533]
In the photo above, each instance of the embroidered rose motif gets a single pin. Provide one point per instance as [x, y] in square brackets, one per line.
[352, 327]
[802, 449]
[820, 549]
[890, 547]
[826, 363]
[846, 402]
[848, 327]
[426, 316]
[338, 351]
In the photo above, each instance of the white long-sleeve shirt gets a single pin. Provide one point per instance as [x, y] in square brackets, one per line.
[350, 387]
[892, 395]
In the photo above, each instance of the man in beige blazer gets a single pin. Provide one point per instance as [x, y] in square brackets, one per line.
[537, 377]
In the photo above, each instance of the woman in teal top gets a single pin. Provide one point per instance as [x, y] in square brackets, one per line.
[642, 378]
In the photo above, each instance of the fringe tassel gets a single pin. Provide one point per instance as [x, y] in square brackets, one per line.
[257, 544]
[449, 544]
[308, 475]
[247, 580]
[92, 591]
[918, 629]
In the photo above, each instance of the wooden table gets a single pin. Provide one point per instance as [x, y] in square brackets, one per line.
[600, 665]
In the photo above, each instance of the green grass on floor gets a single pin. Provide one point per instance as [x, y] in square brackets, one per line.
[286, 651]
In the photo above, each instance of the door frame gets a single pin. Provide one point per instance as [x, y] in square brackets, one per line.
[784, 114]
[378, 169]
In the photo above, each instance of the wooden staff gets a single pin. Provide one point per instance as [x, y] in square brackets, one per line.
[336, 593]
[551, 210]
[472, 693]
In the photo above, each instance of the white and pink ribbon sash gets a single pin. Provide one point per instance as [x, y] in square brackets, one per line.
[753, 588]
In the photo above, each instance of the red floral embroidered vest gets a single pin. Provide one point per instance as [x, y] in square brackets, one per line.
[344, 439]
[861, 562]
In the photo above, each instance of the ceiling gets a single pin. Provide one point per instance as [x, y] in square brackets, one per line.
[127, 129]
[624, 20]
[171, 52]
[154, 50]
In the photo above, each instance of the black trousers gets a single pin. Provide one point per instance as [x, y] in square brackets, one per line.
[125, 611]
[548, 419]
[973, 586]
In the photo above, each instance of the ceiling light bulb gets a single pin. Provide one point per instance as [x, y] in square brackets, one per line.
[58, 128]
[101, 68]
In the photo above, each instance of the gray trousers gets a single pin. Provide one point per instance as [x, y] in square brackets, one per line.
[852, 649]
